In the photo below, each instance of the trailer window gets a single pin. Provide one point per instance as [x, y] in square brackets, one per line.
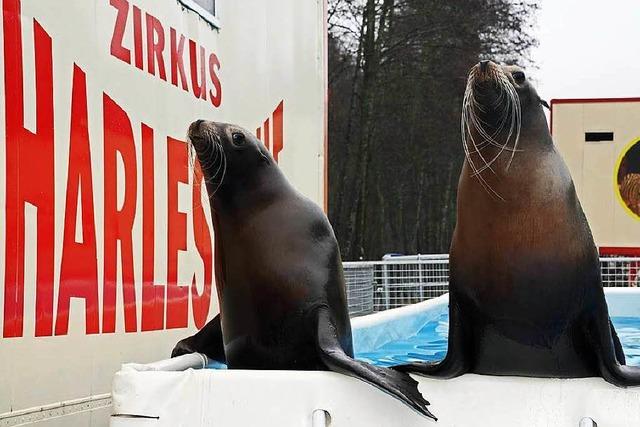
[598, 136]
[205, 8]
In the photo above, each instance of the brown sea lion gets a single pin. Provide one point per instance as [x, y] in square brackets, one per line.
[278, 271]
[526, 295]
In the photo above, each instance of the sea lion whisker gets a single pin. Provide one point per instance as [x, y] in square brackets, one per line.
[466, 133]
[478, 124]
[216, 158]
[512, 110]
[466, 116]
[487, 137]
[517, 120]
[212, 157]
[470, 119]
[485, 185]
[465, 143]
[224, 170]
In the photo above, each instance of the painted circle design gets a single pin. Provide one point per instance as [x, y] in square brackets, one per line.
[627, 179]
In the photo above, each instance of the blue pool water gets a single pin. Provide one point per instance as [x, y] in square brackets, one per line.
[430, 343]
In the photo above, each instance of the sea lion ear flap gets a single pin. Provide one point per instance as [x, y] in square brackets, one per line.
[544, 103]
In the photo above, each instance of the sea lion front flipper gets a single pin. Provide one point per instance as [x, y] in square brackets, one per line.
[397, 384]
[455, 362]
[207, 340]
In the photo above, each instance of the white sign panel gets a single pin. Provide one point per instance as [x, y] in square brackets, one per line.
[106, 241]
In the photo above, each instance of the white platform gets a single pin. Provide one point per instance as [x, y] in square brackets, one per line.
[144, 396]
[197, 398]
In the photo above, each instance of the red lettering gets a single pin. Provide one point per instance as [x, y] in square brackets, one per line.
[199, 87]
[155, 46]
[117, 49]
[177, 60]
[259, 133]
[278, 130]
[137, 36]
[79, 269]
[155, 40]
[152, 295]
[118, 224]
[202, 236]
[267, 134]
[214, 66]
[29, 175]
[177, 296]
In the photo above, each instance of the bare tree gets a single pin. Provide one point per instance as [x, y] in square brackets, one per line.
[397, 71]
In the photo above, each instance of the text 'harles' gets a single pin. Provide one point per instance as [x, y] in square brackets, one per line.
[30, 181]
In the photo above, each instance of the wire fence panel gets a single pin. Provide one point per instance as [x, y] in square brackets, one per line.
[620, 272]
[398, 281]
[360, 283]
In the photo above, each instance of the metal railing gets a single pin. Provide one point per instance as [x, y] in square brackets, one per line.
[398, 281]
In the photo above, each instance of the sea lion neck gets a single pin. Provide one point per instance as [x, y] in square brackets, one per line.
[537, 128]
[246, 194]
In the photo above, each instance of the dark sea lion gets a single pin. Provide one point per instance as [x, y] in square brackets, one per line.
[278, 270]
[526, 295]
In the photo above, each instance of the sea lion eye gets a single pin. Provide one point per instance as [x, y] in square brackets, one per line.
[238, 138]
[518, 76]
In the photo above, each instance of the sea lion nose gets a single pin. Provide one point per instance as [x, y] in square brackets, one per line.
[484, 64]
[194, 128]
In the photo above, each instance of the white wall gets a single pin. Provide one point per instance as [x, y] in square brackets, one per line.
[269, 52]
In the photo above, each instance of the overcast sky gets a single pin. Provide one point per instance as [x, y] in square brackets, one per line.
[588, 49]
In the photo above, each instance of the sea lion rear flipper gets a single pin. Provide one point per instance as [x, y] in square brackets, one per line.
[607, 346]
[208, 340]
[455, 362]
[397, 384]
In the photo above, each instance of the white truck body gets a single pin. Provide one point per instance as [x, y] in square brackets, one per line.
[105, 235]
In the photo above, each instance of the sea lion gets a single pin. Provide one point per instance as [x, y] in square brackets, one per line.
[278, 271]
[526, 295]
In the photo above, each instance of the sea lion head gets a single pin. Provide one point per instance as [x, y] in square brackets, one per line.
[500, 104]
[230, 157]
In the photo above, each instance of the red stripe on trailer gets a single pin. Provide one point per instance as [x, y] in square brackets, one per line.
[620, 251]
[593, 100]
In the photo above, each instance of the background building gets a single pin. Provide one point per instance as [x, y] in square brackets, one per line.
[599, 140]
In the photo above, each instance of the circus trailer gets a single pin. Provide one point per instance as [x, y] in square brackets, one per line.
[106, 239]
[599, 140]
